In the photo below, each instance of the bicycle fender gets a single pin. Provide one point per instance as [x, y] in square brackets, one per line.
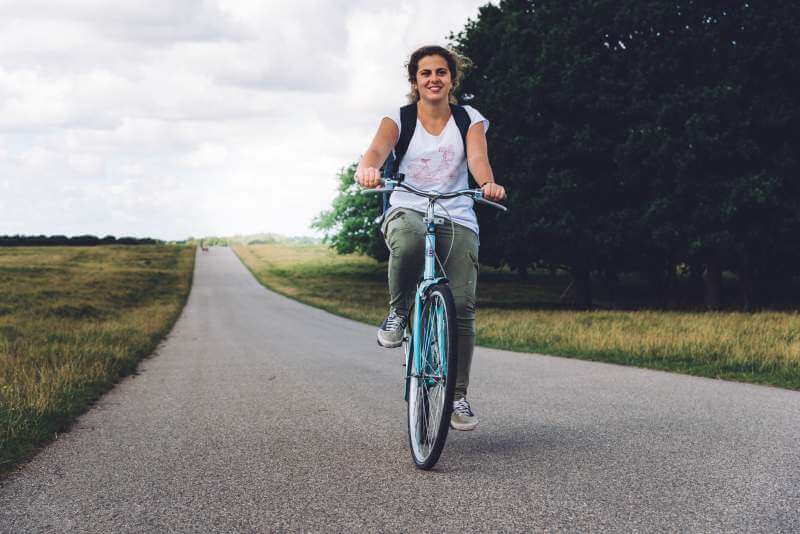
[425, 286]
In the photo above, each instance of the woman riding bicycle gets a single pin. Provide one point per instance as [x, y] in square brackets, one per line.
[434, 160]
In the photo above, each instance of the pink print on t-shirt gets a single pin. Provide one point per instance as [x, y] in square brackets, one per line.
[448, 153]
[424, 176]
[421, 172]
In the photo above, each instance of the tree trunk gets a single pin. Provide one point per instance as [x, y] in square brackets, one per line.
[671, 288]
[655, 278]
[745, 276]
[567, 296]
[583, 289]
[610, 280]
[713, 281]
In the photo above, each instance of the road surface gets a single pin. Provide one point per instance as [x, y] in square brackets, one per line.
[260, 414]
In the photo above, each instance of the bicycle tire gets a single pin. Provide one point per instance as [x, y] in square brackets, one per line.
[432, 387]
[407, 348]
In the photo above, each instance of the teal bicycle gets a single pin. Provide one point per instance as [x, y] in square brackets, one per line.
[430, 341]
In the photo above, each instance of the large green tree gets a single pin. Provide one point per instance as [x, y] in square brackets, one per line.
[637, 136]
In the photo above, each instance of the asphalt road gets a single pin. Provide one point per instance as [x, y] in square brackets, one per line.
[260, 414]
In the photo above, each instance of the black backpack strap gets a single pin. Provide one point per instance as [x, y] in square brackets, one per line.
[463, 121]
[408, 123]
[391, 167]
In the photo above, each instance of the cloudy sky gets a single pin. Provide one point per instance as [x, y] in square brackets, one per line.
[171, 118]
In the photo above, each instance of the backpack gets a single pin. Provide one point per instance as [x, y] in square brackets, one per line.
[408, 123]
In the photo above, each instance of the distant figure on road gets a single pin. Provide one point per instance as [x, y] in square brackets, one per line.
[437, 157]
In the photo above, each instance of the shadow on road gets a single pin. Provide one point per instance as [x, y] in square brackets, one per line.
[484, 450]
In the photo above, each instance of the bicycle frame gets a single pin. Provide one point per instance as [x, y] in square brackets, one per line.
[429, 278]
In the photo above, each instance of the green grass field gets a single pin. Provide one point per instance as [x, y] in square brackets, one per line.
[73, 320]
[523, 316]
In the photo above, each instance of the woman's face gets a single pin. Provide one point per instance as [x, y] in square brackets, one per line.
[434, 81]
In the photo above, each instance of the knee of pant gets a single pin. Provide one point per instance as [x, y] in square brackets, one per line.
[408, 245]
[465, 316]
[465, 328]
[465, 307]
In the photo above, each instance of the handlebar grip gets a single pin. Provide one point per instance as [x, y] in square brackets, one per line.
[492, 204]
[375, 191]
[382, 189]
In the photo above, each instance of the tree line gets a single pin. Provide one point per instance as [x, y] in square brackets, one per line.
[649, 138]
[252, 239]
[75, 241]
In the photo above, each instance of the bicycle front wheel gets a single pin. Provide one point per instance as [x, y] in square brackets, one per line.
[432, 379]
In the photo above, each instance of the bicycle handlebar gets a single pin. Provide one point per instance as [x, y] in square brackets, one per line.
[394, 185]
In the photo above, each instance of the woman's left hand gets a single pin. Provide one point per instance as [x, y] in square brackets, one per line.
[493, 192]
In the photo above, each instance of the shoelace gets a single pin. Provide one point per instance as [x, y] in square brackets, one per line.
[461, 406]
[395, 321]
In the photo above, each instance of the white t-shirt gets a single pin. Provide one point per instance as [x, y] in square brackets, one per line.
[438, 162]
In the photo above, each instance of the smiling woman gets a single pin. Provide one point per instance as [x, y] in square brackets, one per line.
[437, 145]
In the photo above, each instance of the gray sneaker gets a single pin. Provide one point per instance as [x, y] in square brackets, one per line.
[463, 418]
[390, 334]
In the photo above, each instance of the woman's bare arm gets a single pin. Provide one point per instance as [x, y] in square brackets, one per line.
[478, 162]
[368, 170]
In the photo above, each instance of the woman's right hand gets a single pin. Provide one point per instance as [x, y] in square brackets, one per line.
[369, 177]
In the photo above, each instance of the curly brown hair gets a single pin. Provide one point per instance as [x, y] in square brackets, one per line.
[455, 62]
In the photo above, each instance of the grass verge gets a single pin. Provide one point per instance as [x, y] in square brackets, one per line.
[522, 316]
[73, 321]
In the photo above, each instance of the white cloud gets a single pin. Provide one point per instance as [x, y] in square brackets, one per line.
[175, 118]
[85, 163]
[206, 155]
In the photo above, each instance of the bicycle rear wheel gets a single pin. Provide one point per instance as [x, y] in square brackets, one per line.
[432, 383]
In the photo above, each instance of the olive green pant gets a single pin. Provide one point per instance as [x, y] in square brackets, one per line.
[404, 231]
